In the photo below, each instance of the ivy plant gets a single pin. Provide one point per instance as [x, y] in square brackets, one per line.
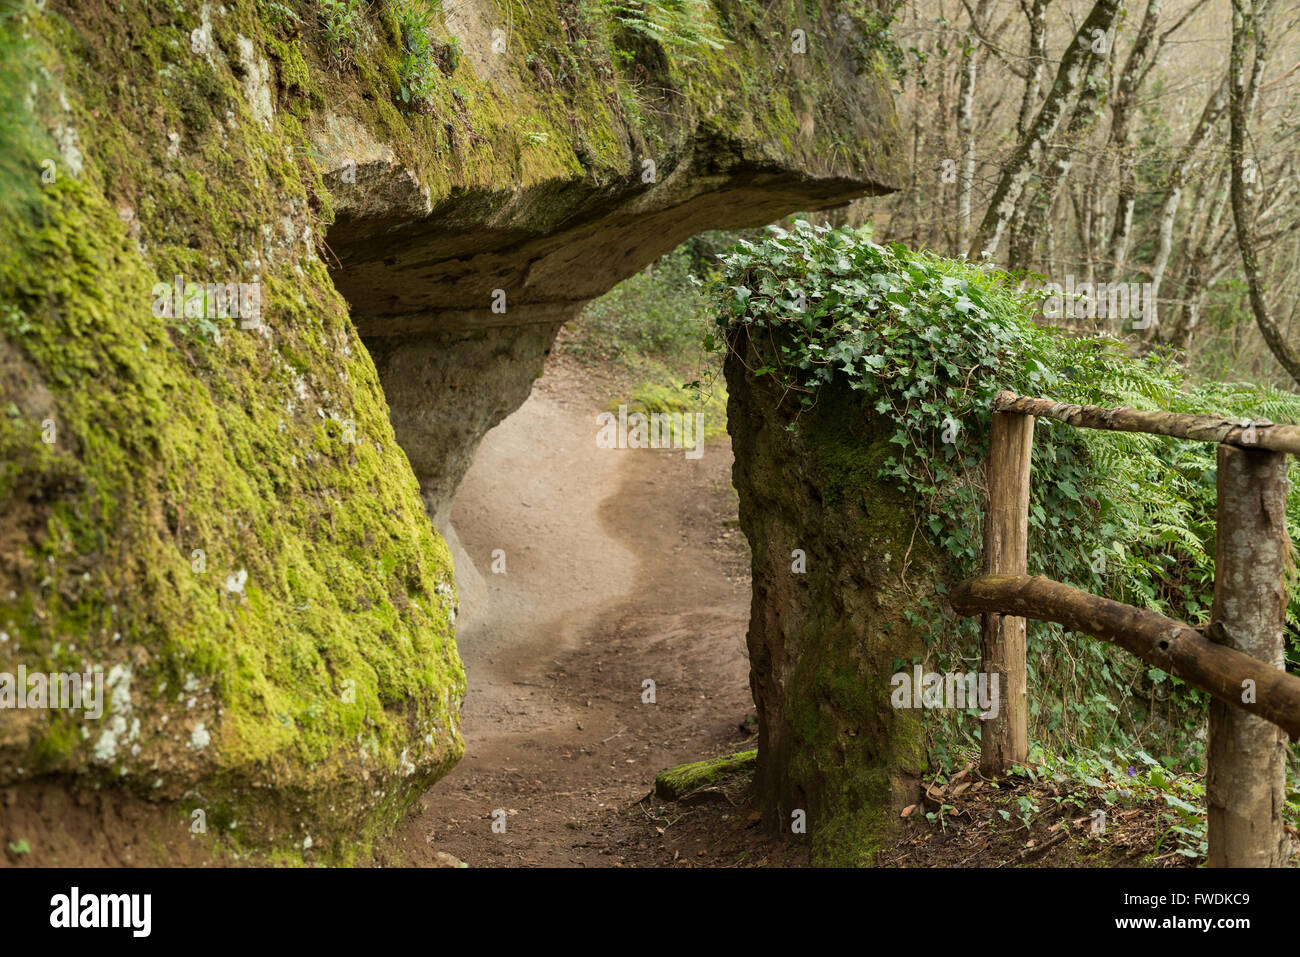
[927, 342]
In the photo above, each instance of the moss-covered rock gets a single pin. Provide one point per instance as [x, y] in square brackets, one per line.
[218, 519]
[685, 779]
[539, 176]
[831, 543]
[217, 512]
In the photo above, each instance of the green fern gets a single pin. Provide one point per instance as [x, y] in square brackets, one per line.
[676, 25]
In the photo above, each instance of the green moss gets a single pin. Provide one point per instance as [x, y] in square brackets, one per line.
[851, 448]
[663, 397]
[852, 745]
[56, 745]
[315, 674]
[680, 781]
[295, 76]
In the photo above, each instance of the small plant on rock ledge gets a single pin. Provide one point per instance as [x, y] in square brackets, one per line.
[422, 54]
[676, 25]
[342, 20]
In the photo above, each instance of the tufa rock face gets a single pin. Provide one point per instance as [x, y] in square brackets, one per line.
[823, 641]
[228, 516]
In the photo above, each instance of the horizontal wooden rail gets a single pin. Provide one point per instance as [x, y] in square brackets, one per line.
[1260, 434]
[1163, 642]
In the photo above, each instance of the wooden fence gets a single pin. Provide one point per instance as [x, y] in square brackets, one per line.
[1237, 658]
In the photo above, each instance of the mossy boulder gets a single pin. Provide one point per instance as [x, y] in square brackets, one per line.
[216, 519]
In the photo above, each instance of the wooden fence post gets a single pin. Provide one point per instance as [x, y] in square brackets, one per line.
[1246, 759]
[1004, 740]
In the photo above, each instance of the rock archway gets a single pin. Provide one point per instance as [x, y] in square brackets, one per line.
[451, 366]
[459, 298]
[460, 302]
[223, 525]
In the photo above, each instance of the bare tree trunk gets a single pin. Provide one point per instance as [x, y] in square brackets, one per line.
[1028, 154]
[915, 231]
[965, 107]
[1121, 111]
[1202, 262]
[1278, 345]
[1036, 14]
[1088, 206]
[1097, 219]
[1245, 785]
[1020, 253]
[1084, 116]
[1173, 197]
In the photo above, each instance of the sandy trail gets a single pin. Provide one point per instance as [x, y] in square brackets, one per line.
[544, 565]
[620, 567]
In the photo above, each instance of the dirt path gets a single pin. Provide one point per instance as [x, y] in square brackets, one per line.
[621, 566]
